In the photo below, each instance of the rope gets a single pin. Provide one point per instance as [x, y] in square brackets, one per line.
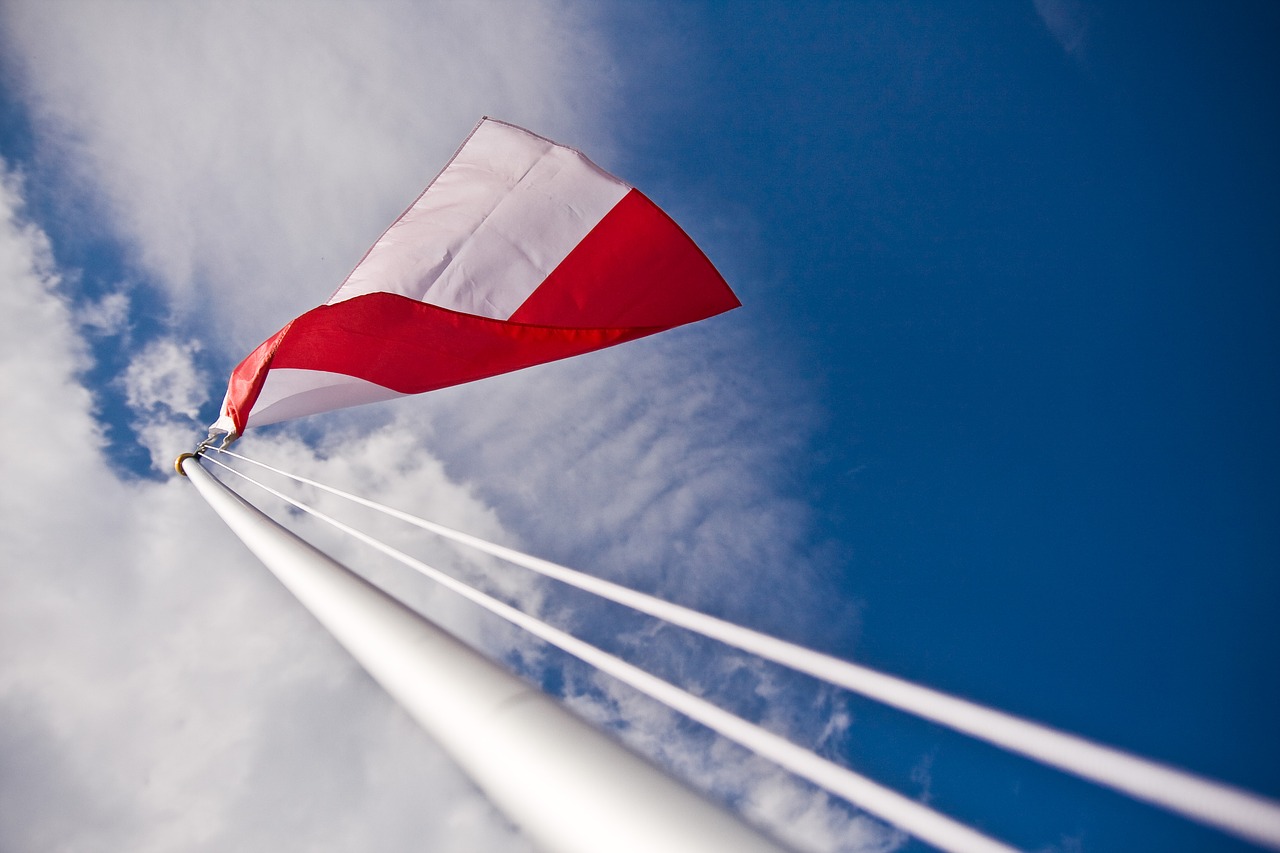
[913, 817]
[1230, 809]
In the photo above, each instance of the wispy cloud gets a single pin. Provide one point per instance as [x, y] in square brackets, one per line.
[164, 377]
[107, 316]
[806, 819]
[1067, 21]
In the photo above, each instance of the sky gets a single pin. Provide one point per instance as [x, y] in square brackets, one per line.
[997, 414]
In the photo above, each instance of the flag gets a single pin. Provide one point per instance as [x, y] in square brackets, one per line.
[520, 252]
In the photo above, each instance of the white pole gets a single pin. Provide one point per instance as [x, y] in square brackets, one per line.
[1238, 812]
[921, 821]
[568, 786]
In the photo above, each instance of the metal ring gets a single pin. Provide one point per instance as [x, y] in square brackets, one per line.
[177, 463]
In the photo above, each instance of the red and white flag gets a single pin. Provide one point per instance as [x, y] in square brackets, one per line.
[520, 252]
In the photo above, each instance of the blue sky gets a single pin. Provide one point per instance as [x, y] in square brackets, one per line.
[998, 414]
[1038, 289]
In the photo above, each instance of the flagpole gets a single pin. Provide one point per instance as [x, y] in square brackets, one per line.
[569, 787]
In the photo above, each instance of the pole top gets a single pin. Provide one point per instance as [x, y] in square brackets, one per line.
[177, 463]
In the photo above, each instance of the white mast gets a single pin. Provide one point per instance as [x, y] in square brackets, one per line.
[565, 784]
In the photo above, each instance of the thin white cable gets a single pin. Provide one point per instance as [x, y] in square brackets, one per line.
[1228, 808]
[907, 814]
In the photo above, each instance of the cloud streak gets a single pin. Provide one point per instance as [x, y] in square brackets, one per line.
[1067, 21]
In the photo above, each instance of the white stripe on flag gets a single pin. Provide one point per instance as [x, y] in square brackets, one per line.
[292, 393]
[491, 227]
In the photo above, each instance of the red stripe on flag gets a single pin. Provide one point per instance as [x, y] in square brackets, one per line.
[635, 268]
[248, 377]
[412, 347]
[409, 346]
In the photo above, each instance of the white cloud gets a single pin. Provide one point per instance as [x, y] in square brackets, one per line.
[106, 317]
[247, 153]
[164, 437]
[165, 390]
[41, 355]
[163, 377]
[157, 690]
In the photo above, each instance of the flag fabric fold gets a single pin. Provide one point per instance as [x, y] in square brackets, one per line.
[520, 252]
